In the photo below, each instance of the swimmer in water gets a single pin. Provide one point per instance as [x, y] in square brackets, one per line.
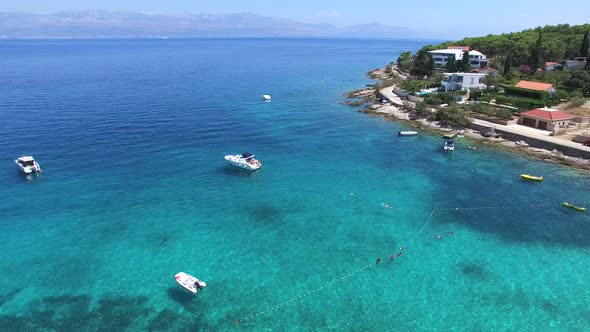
[392, 257]
[450, 233]
[378, 261]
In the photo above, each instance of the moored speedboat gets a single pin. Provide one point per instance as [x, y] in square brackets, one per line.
[189, 282]
[27, 165]
[449, 145]
[266, 97]
[531, 177]
[245, 161]
[407, 133]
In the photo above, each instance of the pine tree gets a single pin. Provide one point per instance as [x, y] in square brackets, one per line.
[423, 64]
[585, 45]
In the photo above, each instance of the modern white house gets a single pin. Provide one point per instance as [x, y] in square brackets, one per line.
[441, 57]
[463, 81]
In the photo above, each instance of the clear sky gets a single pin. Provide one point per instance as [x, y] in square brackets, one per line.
[455, 18]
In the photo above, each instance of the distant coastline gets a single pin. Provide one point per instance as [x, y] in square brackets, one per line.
[129, 24]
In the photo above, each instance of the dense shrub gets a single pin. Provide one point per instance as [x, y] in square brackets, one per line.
[522, 103]
[421, 110]
[452, 116]
[527, 103]
[438, 98]
[491, 111]
[504, 113]
[576, 102]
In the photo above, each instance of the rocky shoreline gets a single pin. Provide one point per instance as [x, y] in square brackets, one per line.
[370, 96]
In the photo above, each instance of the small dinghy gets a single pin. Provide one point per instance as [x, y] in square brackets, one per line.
[531, 177]
[407, 133]
[579, 208]
[189, 282]
[266, 97]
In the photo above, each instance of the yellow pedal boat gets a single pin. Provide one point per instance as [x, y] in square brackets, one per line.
[574, 207]
[531, 177]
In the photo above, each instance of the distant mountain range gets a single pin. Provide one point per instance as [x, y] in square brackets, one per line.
[108, 24]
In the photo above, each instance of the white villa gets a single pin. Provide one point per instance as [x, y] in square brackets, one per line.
[462, 81]
[441, 57]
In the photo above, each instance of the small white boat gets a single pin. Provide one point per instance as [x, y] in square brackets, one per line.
[266, 97]
[27, 165]
[189, 282]
[449, 145]
[407, 133]
[245, 161]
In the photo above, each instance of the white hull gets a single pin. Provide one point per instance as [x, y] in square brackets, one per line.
[407, 133]
[449, 148]
[28, 169]
[189, 282]
[240, 162]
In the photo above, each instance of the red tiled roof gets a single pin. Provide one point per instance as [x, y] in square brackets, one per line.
[549, 115]
[462, 48]
[537, 86]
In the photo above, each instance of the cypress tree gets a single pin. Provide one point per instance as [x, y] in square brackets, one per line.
[537, 53]
[451, 66]
[507, 65]
[465, 62]
[585, 44]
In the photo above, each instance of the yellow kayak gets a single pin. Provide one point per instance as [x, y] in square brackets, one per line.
[531, 177]
[574, 207]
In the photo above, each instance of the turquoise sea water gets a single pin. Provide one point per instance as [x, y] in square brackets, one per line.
[131, 135]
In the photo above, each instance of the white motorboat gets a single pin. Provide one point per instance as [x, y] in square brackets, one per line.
[27, 165]
[407, 133]
[449, 145]
[245, 161]
[266, 97]
[189, 282]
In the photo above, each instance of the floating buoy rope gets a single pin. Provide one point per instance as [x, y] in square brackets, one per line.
[428, 221]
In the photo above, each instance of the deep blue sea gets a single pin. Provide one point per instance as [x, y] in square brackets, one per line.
[131, 136]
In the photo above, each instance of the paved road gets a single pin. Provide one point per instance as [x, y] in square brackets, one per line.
[528, 133]
[392, 97]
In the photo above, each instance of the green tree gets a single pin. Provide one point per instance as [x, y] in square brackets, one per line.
[421, 110]
[585, 45]
[423, 63]
[465, 63]
[490, 80]
[451, 66]
[580, 80]
[404, 62]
